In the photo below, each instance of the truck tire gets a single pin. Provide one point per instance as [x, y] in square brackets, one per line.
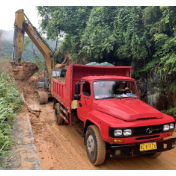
[42, 97]
[58, 119]
[95, 146]
[154, 155]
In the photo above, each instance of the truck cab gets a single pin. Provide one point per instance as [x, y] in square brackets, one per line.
[127, 125]
[102, 89]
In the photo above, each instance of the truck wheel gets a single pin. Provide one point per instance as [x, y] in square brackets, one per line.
[58, 119]
[154, 155]
[42, 97]
[95, 146]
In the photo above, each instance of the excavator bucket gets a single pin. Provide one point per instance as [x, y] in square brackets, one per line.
[16, 72]
[23, 71]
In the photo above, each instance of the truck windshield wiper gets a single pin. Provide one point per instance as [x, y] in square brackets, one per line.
[108, 97]
[127, 97]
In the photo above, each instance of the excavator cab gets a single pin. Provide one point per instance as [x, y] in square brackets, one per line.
[58, 73]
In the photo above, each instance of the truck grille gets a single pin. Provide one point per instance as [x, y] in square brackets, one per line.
[147, 130]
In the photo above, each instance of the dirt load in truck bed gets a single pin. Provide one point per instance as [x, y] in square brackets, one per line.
[60, 79]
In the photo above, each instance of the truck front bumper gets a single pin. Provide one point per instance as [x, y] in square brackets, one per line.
[129, 150]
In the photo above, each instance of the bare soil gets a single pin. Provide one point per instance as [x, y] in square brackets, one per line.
[29, 69]
[62, 148]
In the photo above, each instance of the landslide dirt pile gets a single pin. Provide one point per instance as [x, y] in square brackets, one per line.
[29, 69]
[27, 89]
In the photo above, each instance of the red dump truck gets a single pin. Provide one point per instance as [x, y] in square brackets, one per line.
[105, 100]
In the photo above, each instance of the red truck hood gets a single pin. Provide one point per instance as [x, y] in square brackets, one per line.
[128, 109]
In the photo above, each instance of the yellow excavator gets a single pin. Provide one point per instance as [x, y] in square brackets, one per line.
[21, 70]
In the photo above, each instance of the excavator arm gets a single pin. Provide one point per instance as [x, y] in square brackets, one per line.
[22, 26]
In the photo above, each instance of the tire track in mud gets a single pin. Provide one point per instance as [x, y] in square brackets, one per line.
[58, 144]
[60, 147]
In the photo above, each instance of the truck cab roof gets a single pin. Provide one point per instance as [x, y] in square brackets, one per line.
[106, 77]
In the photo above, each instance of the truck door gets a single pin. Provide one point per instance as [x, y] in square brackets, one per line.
[84, 103]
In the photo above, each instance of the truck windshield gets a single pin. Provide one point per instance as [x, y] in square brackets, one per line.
[114, 89]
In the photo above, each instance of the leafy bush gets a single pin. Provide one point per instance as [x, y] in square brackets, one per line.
[10, 104]
[171, 112]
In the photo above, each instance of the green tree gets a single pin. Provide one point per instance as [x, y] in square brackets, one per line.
[119, 35]
[65, 20]
[114, 33]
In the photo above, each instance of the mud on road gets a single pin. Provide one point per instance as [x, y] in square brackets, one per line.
[60, 147]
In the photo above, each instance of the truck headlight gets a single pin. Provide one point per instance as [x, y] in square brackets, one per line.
[172, 126]
[166, 127]
[118, 132]
[127, 132]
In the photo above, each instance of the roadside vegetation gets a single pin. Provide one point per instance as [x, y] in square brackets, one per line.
[10, 104]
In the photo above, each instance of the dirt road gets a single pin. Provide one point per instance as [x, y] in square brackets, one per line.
[62, 148]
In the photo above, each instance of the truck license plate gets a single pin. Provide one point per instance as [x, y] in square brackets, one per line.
[148, 146]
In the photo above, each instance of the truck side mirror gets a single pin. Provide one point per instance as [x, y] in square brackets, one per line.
[77, 88]
[77, 95]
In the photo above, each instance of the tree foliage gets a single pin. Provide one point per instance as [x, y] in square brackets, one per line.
[120, 35]
[58, 21]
